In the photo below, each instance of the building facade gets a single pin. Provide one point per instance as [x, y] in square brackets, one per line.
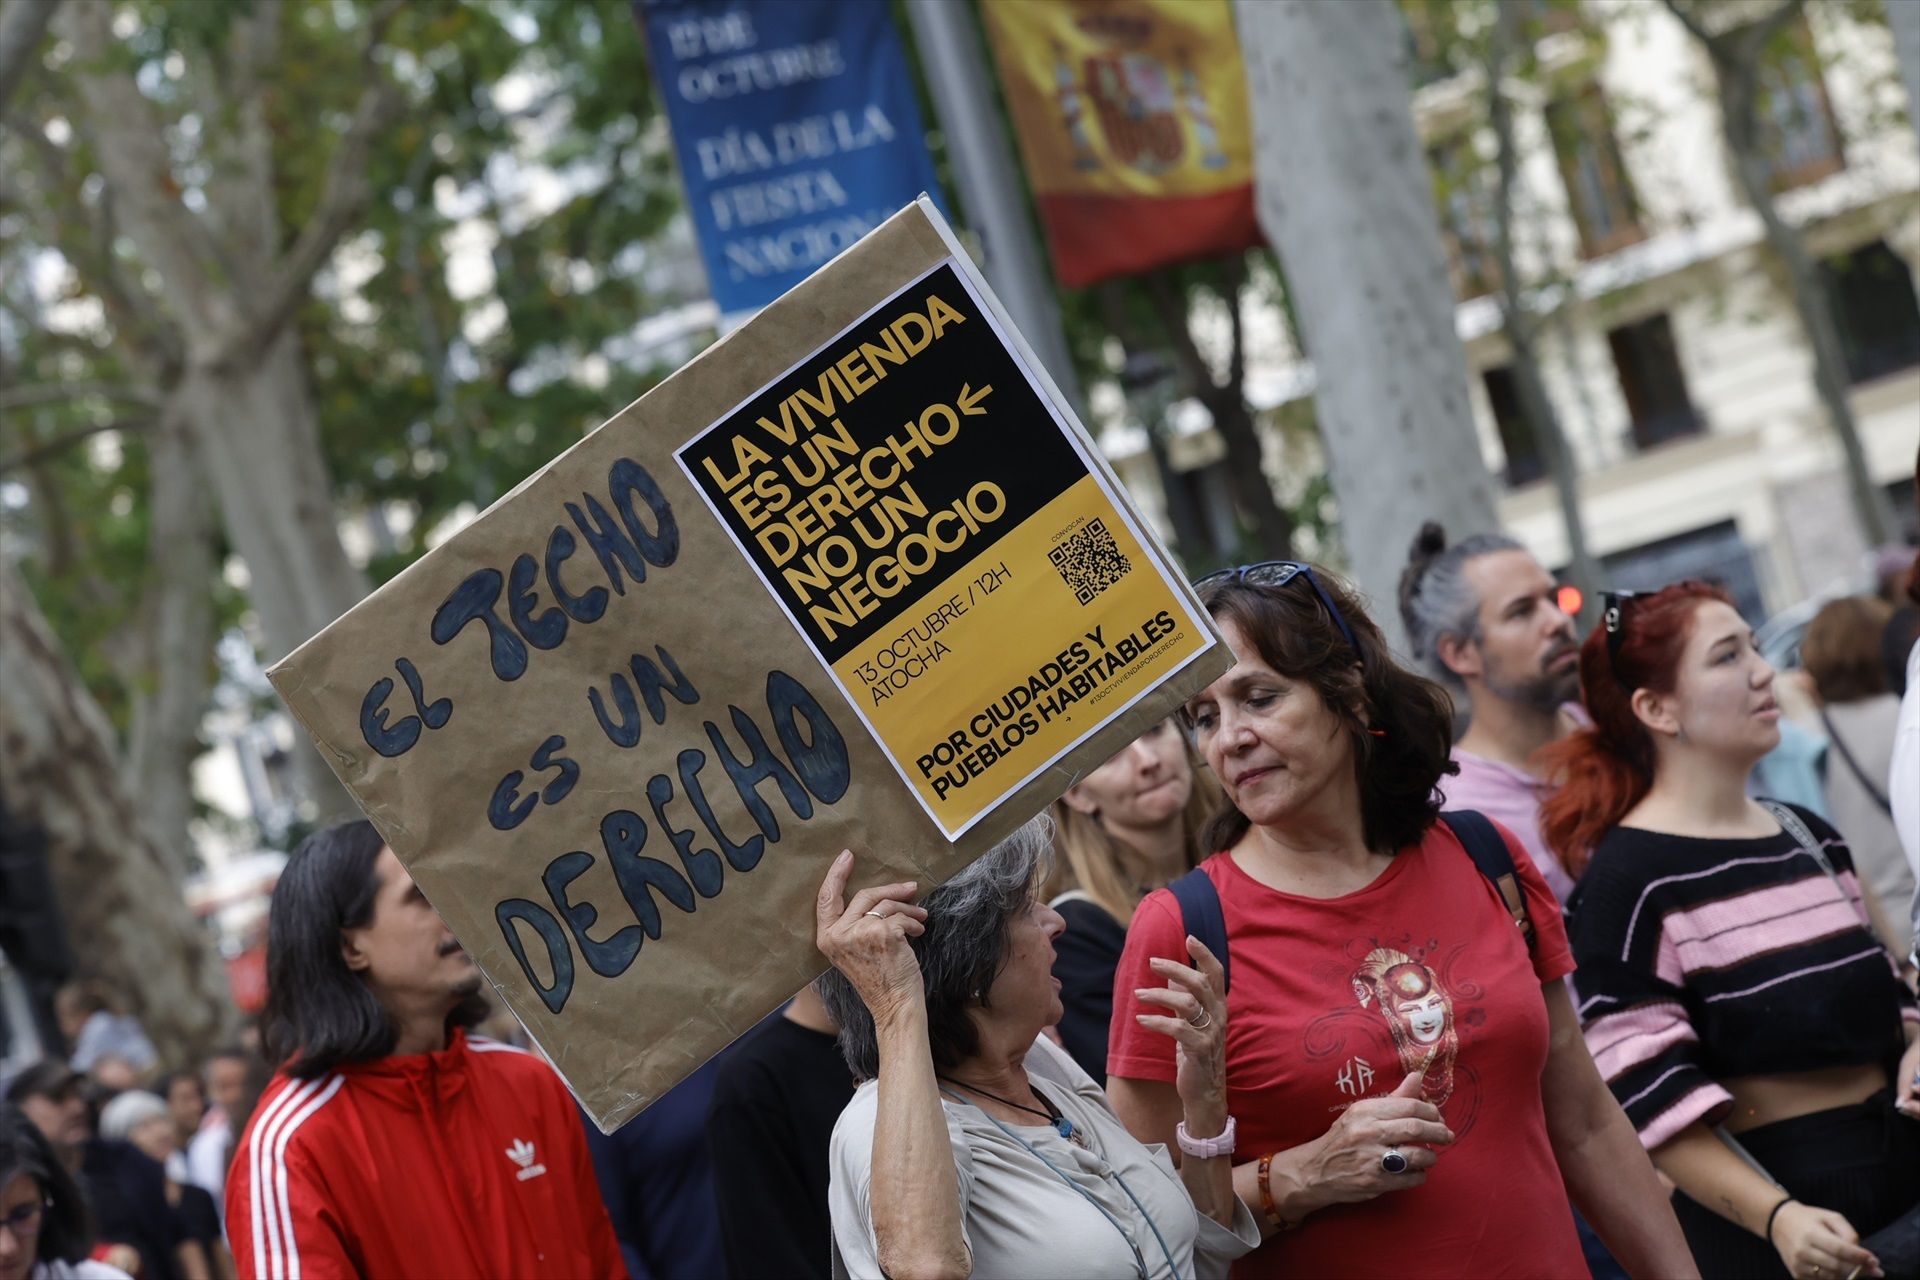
[1668, 339]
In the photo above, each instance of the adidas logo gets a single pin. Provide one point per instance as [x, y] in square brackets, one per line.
[521, 1153]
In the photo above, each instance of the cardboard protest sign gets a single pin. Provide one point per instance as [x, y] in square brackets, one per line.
[851, 578]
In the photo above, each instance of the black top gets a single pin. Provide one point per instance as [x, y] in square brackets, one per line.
[657, 1184]
[1702, 959]
[775, 1100]
[196, 1215]
[128, 1193]
[1085, 957]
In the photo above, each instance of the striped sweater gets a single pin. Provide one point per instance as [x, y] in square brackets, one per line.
[1704, 959]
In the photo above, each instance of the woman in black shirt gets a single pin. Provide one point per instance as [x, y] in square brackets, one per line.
[1730, 986]
[1124, 829]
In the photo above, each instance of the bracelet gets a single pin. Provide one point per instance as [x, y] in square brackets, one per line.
[1267, 1206]
[1784, 1202]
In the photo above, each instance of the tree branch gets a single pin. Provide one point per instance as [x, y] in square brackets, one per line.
[128, 306]
[1773, 24]
[1501, 40]
[1758, 30]
[1236, 279]
[1172, 307]
[55, 392]
[133, 158]
[42, 450]
[343, 196]
[21, 26]
[1692, 24]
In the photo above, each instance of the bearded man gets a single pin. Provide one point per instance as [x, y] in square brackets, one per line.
[1485, 617]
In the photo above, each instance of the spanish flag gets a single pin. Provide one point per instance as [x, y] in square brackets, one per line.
[1133, 122]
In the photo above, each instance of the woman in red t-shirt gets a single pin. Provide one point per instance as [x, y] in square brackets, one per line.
[1412, 1091]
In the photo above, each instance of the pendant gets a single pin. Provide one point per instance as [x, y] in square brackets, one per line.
[1064, 1127]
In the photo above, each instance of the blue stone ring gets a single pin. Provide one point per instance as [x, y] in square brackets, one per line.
[1392, 1161]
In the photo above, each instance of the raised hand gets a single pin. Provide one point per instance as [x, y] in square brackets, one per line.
[1198, 1027]
[866, 939]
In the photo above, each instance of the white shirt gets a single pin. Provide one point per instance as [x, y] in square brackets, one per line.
[207, 1158]
[1022, 1218]
[85, 1269]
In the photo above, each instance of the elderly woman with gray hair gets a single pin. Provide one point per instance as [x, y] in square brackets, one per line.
[974, 1145]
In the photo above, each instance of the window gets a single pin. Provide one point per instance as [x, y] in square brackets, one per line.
[1524, 462]
[1797, 129]
[1879, 318]
[1595, 172]
[1652, 381]
[1716, 553]
[1466, 219]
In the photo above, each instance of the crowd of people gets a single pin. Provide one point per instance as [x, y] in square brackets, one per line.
[126, 1160]
[1497, 967]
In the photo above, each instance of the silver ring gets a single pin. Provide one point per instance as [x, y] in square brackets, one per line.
[877, 915]
[1206, 1020]
[1393, 1161]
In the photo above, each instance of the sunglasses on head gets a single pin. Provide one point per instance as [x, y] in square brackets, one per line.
[1278, 573]
[1613, 607]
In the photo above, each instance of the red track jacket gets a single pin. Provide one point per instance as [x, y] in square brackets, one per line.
[466, 1162]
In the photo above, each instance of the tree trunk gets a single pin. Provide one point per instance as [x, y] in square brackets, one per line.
[125, 916]
[1811, 300]
[1736, 55]
[177, 617]
[1191, 541]
[22, 23]
[277, 505]
[1345, 198]
[1269, 525]
[1519, 324]
[244, 385]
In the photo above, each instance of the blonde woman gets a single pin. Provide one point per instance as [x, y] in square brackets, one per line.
[1121, 832]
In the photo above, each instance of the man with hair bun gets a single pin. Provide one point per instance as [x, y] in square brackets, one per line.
[1484, 617]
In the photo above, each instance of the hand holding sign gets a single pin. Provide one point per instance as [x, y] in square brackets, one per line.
[867, 939]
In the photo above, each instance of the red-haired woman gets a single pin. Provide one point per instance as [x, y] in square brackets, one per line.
[1727, 972]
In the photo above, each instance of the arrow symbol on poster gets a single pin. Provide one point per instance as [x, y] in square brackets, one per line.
[970, 399]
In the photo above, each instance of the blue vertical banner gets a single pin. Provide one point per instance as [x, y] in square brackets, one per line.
[796, 129]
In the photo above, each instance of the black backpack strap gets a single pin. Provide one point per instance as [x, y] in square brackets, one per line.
[1490, 853]
[1200, 908]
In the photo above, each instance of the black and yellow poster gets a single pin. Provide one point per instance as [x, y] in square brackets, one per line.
[945, 545]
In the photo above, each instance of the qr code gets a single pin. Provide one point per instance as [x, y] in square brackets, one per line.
[1090, 561]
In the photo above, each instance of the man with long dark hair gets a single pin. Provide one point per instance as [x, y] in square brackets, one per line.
[390, 1142]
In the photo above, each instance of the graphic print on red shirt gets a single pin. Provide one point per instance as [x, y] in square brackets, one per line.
[1337, 999]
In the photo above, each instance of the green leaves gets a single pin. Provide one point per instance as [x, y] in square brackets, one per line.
[474, 322]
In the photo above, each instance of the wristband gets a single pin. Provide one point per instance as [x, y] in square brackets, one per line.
[1784, 1202]
[1267, 1206]
[1205, 1148]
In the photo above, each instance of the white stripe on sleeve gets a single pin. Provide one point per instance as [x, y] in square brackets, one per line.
[280, 1172]
[266, 1248]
